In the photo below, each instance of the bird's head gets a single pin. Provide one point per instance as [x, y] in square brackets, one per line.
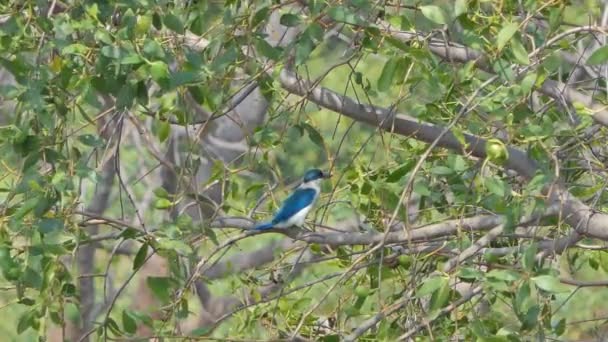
[314, 175]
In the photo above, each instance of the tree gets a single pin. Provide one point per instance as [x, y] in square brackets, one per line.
[142, 141]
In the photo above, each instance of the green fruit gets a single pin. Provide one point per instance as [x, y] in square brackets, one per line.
[405, 261]
[496, 151]
[362, 291]
[144, 22]
[159, 70]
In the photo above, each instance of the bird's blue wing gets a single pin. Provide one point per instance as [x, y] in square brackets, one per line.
[300, 199]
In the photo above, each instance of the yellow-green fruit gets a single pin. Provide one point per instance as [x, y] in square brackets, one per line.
[144, 22]
[362, 291]
[159, 70]
[496, 151]
[405, 261]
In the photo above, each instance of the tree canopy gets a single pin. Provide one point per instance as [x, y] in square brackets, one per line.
[142, 140]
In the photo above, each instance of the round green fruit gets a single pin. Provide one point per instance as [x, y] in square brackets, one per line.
[362, 291]
[144, 22]
[405, 261]
[496, 151]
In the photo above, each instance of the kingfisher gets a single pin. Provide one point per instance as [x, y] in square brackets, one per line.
[298, 204]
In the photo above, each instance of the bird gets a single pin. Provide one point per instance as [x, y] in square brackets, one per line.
[295, 208]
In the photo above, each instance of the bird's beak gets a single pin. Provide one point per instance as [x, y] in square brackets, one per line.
[326, 175]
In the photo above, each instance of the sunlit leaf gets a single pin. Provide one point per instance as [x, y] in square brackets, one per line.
[550, 283]
[505, 34]
[599, 56]
[434, 14]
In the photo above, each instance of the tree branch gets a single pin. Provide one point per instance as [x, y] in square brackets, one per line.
[579, 216]
[559, 91]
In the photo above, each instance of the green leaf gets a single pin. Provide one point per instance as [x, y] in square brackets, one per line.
[160, 192]
[469, 273]
[549, 283]
[173, 23]
[495, 186]
[559, 327]
[530, 319]
[49, 225]
[260, 16]
[522, 297]
[142, 93]
[128, 322]
[400, 172]
[314, 135]
[519, 52]
[181, 78]
[528, 260]
[528, 82]
[25, 321]
[537, 183]
[140, 257]
[460, 8]
[142, 317]
[111, 51]
[163, 203]
[164, 129]
[126, 96]
[304, 48]
[441, 297]
[289, 20]
[111, 324]
[388, 73]
[505, 34]
[330, 338]
[441, 170]
[91, 140]
[506, 275]
[421, 188]
[431, 285]
[434, 14]
[581, 108]
[132, 58]
[202, 331]
[174, 245]
[161, 287]
[267, 50]
[599, 56]
[301, 304]
[345, 15]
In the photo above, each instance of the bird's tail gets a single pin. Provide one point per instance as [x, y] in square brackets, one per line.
[263, 226]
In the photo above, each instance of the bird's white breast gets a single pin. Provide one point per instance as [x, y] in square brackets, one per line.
[299, 218]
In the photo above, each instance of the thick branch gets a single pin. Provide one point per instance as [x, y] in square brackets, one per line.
[578, 215]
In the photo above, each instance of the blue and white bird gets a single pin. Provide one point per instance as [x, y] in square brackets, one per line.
[296, 207]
